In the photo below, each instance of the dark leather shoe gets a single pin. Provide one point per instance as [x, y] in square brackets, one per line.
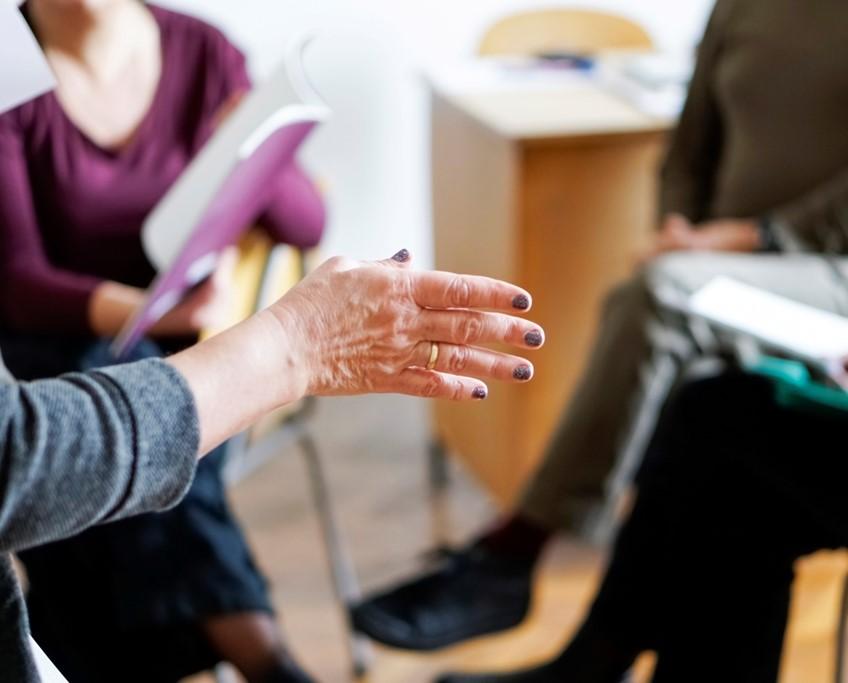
[287, 671]
[471, 593]
[541, 674]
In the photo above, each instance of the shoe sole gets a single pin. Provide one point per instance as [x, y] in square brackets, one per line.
[495, 624]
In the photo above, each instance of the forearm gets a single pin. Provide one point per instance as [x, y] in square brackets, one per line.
[815, 221]
[36, 298]
[240, 375]
[88, 448]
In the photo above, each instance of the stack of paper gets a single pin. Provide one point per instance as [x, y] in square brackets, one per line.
[656, 84]
[800, 331]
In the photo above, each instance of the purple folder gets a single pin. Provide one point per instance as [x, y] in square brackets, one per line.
[219, 194]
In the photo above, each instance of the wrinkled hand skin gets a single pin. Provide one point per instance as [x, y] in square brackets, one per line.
[355, 327]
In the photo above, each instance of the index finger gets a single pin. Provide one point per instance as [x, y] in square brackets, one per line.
[435, 289]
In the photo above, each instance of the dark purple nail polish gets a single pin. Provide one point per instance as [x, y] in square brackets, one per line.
[479, 393]
[533, 338]
[521, 302]
[402, 256]
[522, 372]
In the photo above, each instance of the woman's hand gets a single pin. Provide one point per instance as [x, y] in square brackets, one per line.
[207, 306]
[677, 233]
[113, 303]
[354, 328]
[371, 327]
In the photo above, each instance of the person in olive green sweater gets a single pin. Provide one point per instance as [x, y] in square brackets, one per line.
[754, 186]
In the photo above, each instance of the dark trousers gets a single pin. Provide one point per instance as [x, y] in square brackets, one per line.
[734, 489]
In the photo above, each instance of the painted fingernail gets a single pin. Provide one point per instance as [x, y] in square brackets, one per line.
[402, 256]
[533, 338]
[479, 393]
[522, 372]
[521, 302]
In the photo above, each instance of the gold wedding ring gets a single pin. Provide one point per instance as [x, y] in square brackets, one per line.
[434, 355]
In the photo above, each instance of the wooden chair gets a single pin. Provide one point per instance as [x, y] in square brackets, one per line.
[562, 30]
[263, 273]
[840, 667]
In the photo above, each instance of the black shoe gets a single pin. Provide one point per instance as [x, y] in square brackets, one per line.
[542, 674]
[287, 671]
[473, 592]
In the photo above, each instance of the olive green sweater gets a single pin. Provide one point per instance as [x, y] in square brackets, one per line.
[764, 133]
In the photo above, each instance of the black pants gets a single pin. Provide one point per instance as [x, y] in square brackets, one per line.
[734, 489]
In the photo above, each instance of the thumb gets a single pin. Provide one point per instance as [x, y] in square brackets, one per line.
[226, 267]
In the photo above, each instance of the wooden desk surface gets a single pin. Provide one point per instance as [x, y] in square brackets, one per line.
[541, 106]
[567, 112]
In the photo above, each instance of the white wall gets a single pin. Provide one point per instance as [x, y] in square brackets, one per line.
[373, 155]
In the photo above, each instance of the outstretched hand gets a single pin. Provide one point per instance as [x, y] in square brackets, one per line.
[356, 327]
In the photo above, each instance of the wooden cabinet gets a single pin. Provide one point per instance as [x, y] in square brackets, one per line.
[552, 188]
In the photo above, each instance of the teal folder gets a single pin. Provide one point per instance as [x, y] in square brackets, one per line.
[796, 388]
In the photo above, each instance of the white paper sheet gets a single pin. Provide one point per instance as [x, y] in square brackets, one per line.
[807, 333]
[24, 72]
[46, 670]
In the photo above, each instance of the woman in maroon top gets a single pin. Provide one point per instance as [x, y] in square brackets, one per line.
[139, 90]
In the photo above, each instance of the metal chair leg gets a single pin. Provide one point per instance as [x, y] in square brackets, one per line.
[437, 466]
[341, 566]
[438, 479]
[601, 528]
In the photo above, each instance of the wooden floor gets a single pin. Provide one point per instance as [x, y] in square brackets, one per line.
[375, 452]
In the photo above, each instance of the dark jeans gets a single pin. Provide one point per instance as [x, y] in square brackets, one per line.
[734, 489]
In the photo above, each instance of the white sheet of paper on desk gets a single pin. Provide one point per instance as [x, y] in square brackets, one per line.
[655, 83]
[492, 74]
[799, 330]
[25, 73]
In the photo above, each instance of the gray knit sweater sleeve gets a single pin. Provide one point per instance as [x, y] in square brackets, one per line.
[89, 448]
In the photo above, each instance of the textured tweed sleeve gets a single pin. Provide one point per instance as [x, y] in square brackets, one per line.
[94, 447]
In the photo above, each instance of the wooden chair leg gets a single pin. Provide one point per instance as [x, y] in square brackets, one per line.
[841, 634]
[341, 566]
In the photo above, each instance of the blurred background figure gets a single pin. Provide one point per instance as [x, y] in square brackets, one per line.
[139, 90]
[743, 194]
[735, 488]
